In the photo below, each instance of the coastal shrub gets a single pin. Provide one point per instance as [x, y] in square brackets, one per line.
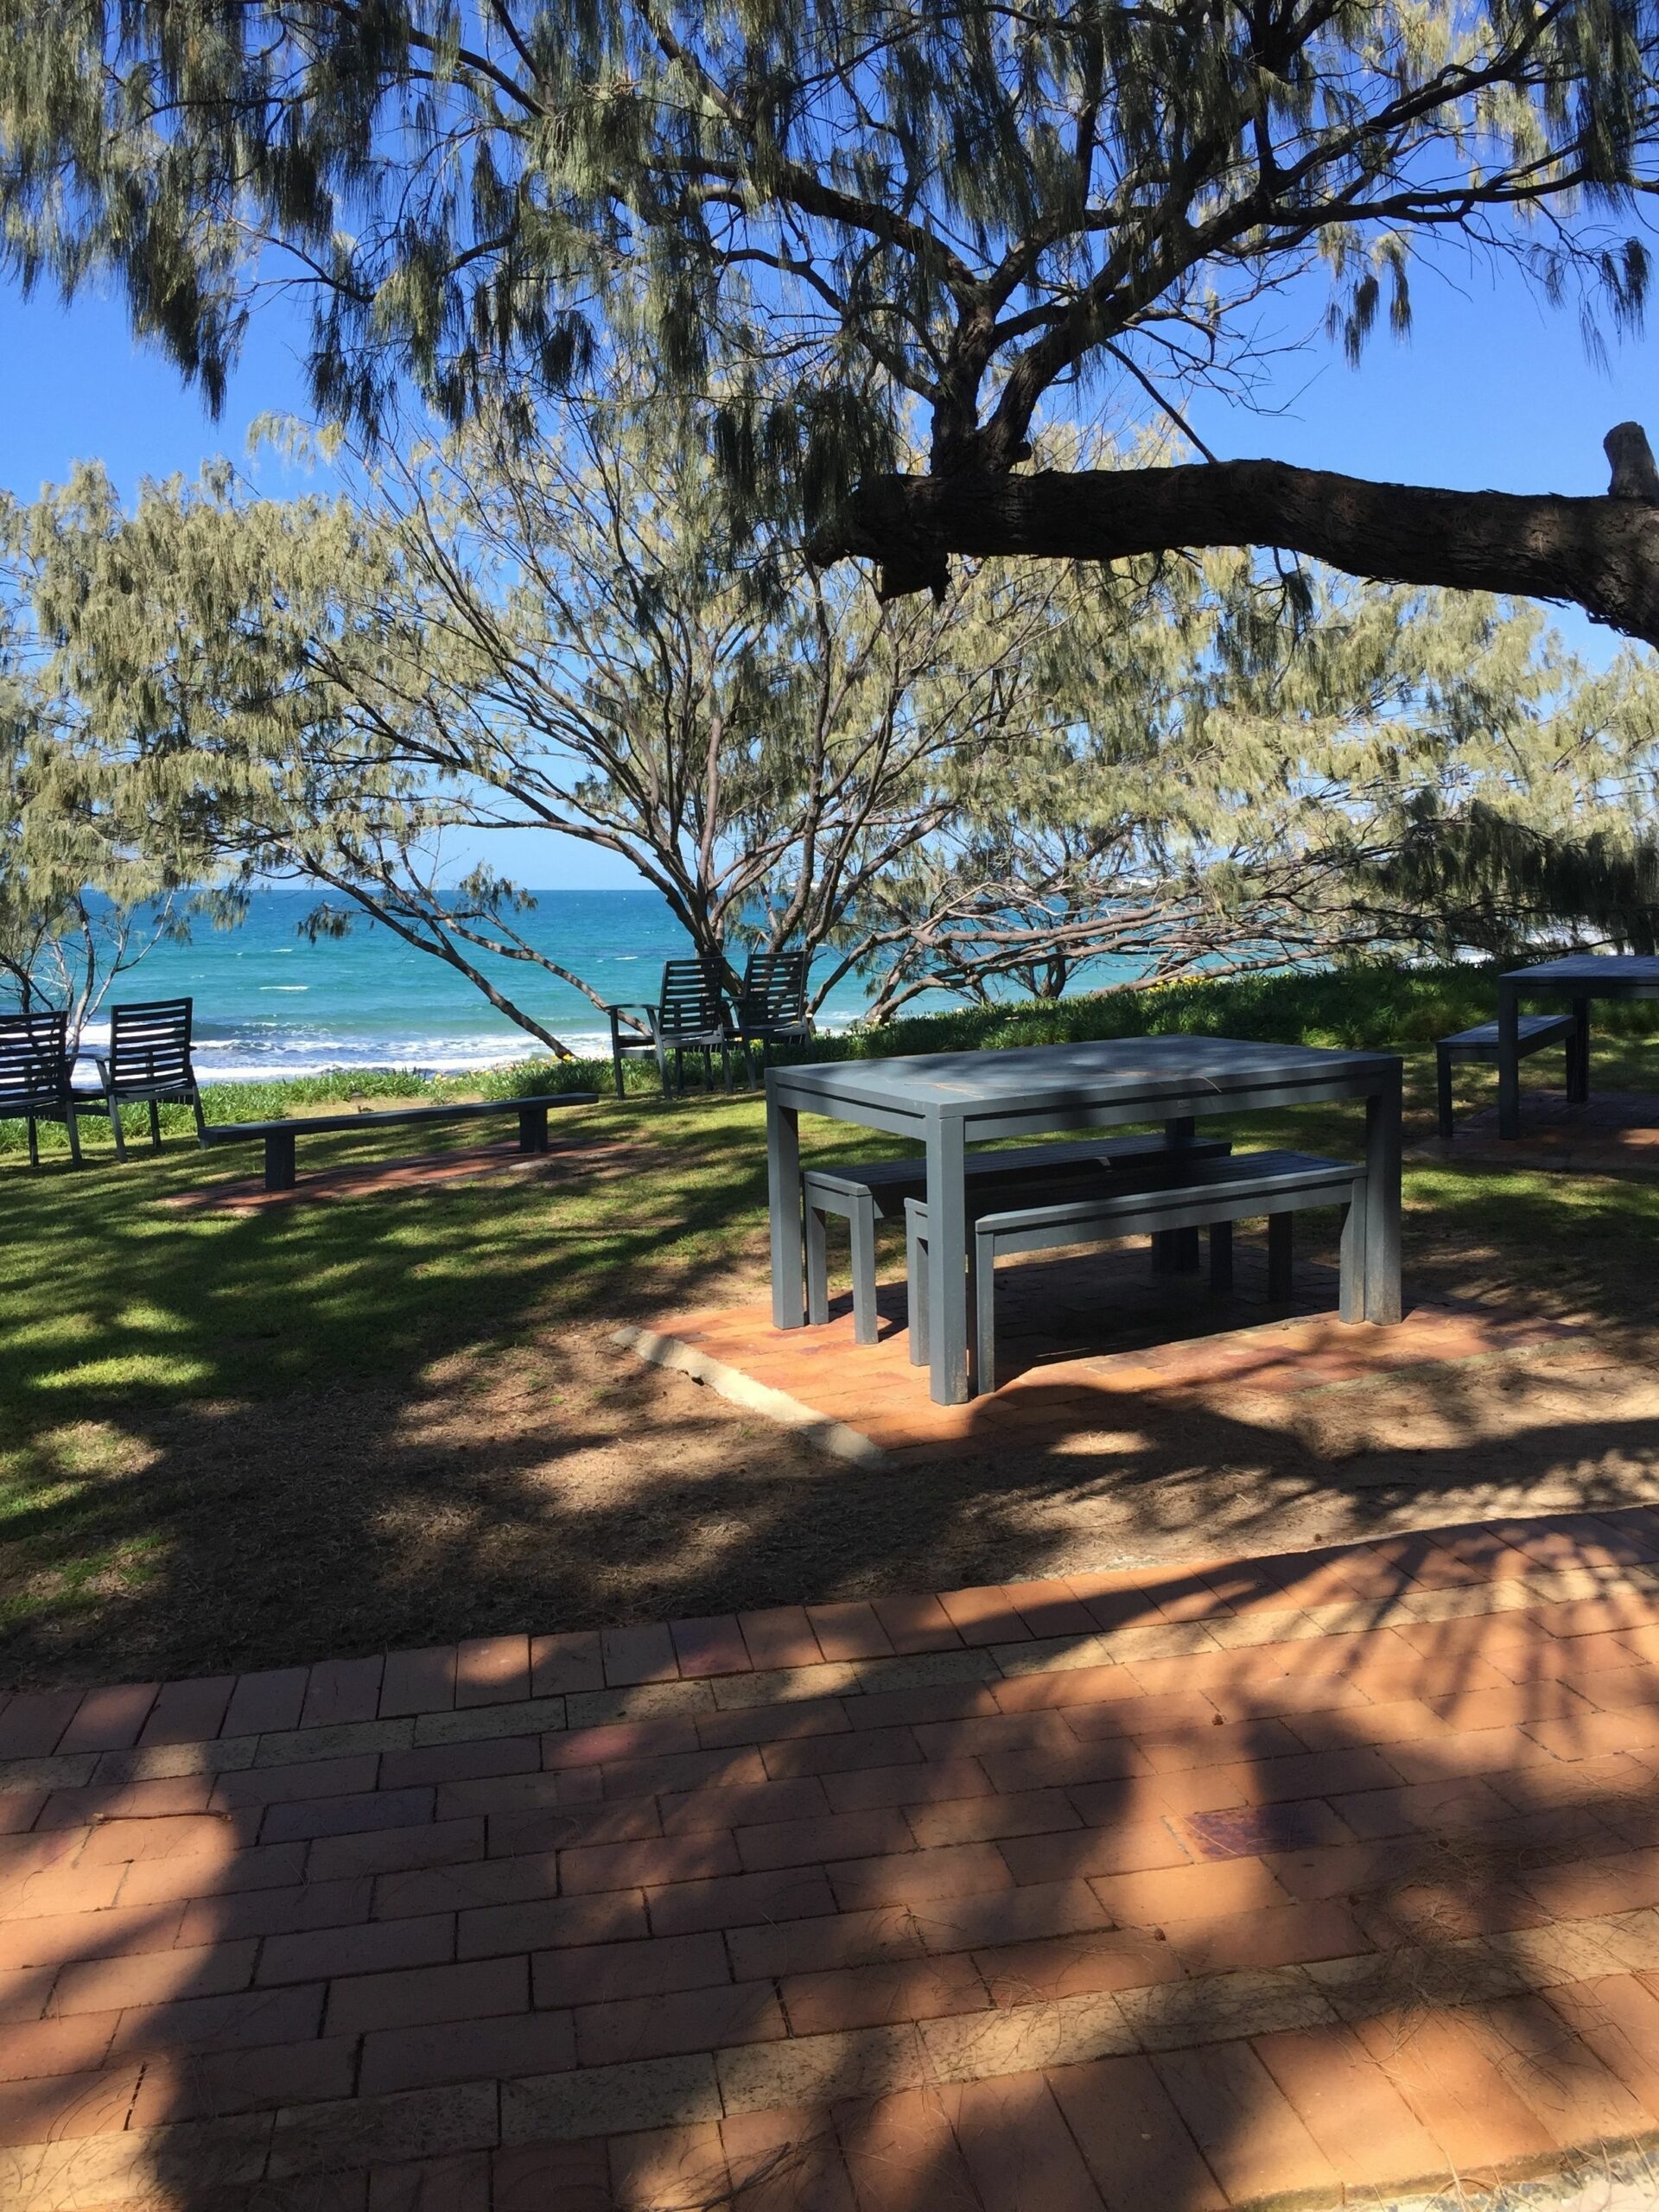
[1351, 1006]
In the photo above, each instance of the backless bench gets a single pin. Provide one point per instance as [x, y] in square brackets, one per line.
[863, 1194]
[1213, 1194]
[279, 1137]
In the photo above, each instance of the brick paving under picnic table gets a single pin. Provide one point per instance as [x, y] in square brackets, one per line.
[1178, 1887]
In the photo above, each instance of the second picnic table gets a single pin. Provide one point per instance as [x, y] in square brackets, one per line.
[1579, 976]
[946, 1101]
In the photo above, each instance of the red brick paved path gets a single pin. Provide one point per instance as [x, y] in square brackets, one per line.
[1173, 1889]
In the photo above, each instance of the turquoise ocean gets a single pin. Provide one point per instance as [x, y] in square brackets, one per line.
[268, 1004]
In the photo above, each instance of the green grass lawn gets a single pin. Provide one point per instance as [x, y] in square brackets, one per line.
[226, 1439]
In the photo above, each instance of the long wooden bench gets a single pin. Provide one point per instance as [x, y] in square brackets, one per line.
[279, 1137]
[862, 1193]
[1212, 1194]
[1533, 1032]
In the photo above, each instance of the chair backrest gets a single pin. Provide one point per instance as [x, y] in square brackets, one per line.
[149, 1045]
[774, 987]
[692, 998]
[34, 1062]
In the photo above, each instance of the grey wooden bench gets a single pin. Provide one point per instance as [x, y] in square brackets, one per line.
[1212, 1194]
[1535, 1032]
[863, 1193]
[279, 1137]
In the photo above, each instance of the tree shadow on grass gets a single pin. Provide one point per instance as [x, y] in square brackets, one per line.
[239, 1440]
[222, 1415]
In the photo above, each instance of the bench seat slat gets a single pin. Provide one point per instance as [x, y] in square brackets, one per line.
[1245, 1178]
[280, 1137]
[864, 1193]
[1530, 1029]
[1533, 1032]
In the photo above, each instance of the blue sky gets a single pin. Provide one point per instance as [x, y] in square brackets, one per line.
[1492, 391]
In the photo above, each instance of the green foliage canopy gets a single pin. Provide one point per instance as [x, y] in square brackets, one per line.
[489, 636]
[830, 219]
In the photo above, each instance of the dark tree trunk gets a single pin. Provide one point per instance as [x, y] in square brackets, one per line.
[1601, 553]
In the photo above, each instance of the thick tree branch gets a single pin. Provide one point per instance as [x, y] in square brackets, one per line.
[1603, 554]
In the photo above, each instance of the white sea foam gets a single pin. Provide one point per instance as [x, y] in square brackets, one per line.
[274, 1060]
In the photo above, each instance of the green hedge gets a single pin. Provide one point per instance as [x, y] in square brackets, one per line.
[1372, 1002]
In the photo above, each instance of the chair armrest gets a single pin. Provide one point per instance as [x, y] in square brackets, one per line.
[640, 1020]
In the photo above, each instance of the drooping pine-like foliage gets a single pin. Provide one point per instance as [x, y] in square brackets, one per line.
[830, 216]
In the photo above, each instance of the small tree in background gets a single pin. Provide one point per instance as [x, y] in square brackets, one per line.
[564, 637]
[1230, 785]
[85, 887]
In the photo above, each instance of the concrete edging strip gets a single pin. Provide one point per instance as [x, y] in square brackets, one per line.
[834, 1437]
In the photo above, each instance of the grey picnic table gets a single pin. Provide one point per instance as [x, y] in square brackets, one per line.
[1578, 976]
[946, 1101]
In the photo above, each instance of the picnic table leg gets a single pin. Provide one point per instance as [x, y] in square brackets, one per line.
[1175, 1251]
[784, 1205]
[1382, 1292]
[862, 1234]
[947, 1262]
[1577, 1055]
[532, 1129]
[1509, 1059]
[1281, 1258]
[1352, 1257]
[279, 1159]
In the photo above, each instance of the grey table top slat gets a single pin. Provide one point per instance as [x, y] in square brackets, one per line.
[1615, 968]
[1124, 1066]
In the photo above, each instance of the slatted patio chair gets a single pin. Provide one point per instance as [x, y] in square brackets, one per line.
[690, 1015]
[772, 1004]
[36, 1069]
[148, 1062]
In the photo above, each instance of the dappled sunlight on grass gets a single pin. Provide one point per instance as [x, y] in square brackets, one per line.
[133, 1370]
[44, 1497]
[233, 1438]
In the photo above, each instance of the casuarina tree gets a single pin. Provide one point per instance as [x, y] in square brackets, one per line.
[848, 227]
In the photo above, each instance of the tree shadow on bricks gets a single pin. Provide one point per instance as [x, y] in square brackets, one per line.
[1387, 1951]
[1440, 1967]
[1363, 1897]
